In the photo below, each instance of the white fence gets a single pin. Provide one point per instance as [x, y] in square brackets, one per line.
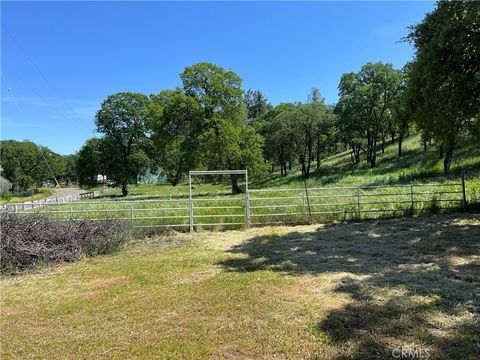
[264, 206]
[29, 205]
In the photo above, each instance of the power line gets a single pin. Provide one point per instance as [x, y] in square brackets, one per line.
[39, 148]
[37, 68]
[46, 102]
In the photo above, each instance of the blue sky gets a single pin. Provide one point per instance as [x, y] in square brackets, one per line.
[59, 60]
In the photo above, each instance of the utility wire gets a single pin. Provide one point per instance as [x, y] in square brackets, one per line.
[37, 68]
[39, 149]
[46, 102]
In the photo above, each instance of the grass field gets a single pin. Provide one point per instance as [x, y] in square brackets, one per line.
[415, 167]
[41, 194]
[349, 290]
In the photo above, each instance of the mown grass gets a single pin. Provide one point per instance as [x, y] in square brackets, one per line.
[40, 194]
[352, 290]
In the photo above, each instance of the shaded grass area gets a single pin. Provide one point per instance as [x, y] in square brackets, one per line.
[353, 290]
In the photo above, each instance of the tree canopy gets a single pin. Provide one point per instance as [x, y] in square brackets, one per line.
[26, 164]
[444, 77]
[365, 107]
[122, 119]
[202, 125]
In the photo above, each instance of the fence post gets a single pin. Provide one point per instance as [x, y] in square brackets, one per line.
[190, 202]
[304, 208]
[411, 198]
[132, 216]
[247, 202]
[308, 201]
[15, 208]
[358, 202]
[464, 194]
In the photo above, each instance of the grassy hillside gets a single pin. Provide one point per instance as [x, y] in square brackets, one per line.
[415, 166]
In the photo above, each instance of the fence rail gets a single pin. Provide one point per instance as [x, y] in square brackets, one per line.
[18, 207]
[260, 206]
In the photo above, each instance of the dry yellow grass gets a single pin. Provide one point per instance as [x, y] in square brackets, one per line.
[353, 290]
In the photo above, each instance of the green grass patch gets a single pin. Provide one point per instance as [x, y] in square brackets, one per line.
[41, 193]
[355, 290]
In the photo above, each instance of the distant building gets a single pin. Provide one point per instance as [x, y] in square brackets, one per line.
[101, 179]
[153, 177]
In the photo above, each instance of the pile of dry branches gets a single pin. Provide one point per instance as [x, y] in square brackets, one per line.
[33, 239]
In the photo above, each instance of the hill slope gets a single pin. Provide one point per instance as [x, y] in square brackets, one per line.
[415, 166]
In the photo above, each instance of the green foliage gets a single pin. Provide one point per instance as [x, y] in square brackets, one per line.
[256, 104]
[367, 99]
[175, 120]
[218, 91]
[26, 164]
[202, 125]
[122, 119]
[70, 175]
[90, 162]
[444, 86]
[6, 196]
[297, 131]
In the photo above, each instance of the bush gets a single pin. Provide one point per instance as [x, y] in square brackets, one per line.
[7, 196]
[35, 239]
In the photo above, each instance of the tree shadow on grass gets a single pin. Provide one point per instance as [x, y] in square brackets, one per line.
[412, 282]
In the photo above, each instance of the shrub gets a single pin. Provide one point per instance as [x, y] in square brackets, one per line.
[7, 196]
[28, 240]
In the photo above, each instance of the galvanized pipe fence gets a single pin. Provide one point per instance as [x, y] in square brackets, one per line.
[264, 206]
[18, 207]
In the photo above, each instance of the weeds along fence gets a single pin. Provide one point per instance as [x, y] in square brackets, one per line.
[265, 206]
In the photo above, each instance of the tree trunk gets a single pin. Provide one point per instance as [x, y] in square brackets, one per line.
[373, 157]
[234, 181]
[309, 157]
[448, 160]
[369, 147]
[400, 140]
[425, 147]
[383, 145]
[124, 188]
[440, 152]
[289, 164]
[318, 156]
